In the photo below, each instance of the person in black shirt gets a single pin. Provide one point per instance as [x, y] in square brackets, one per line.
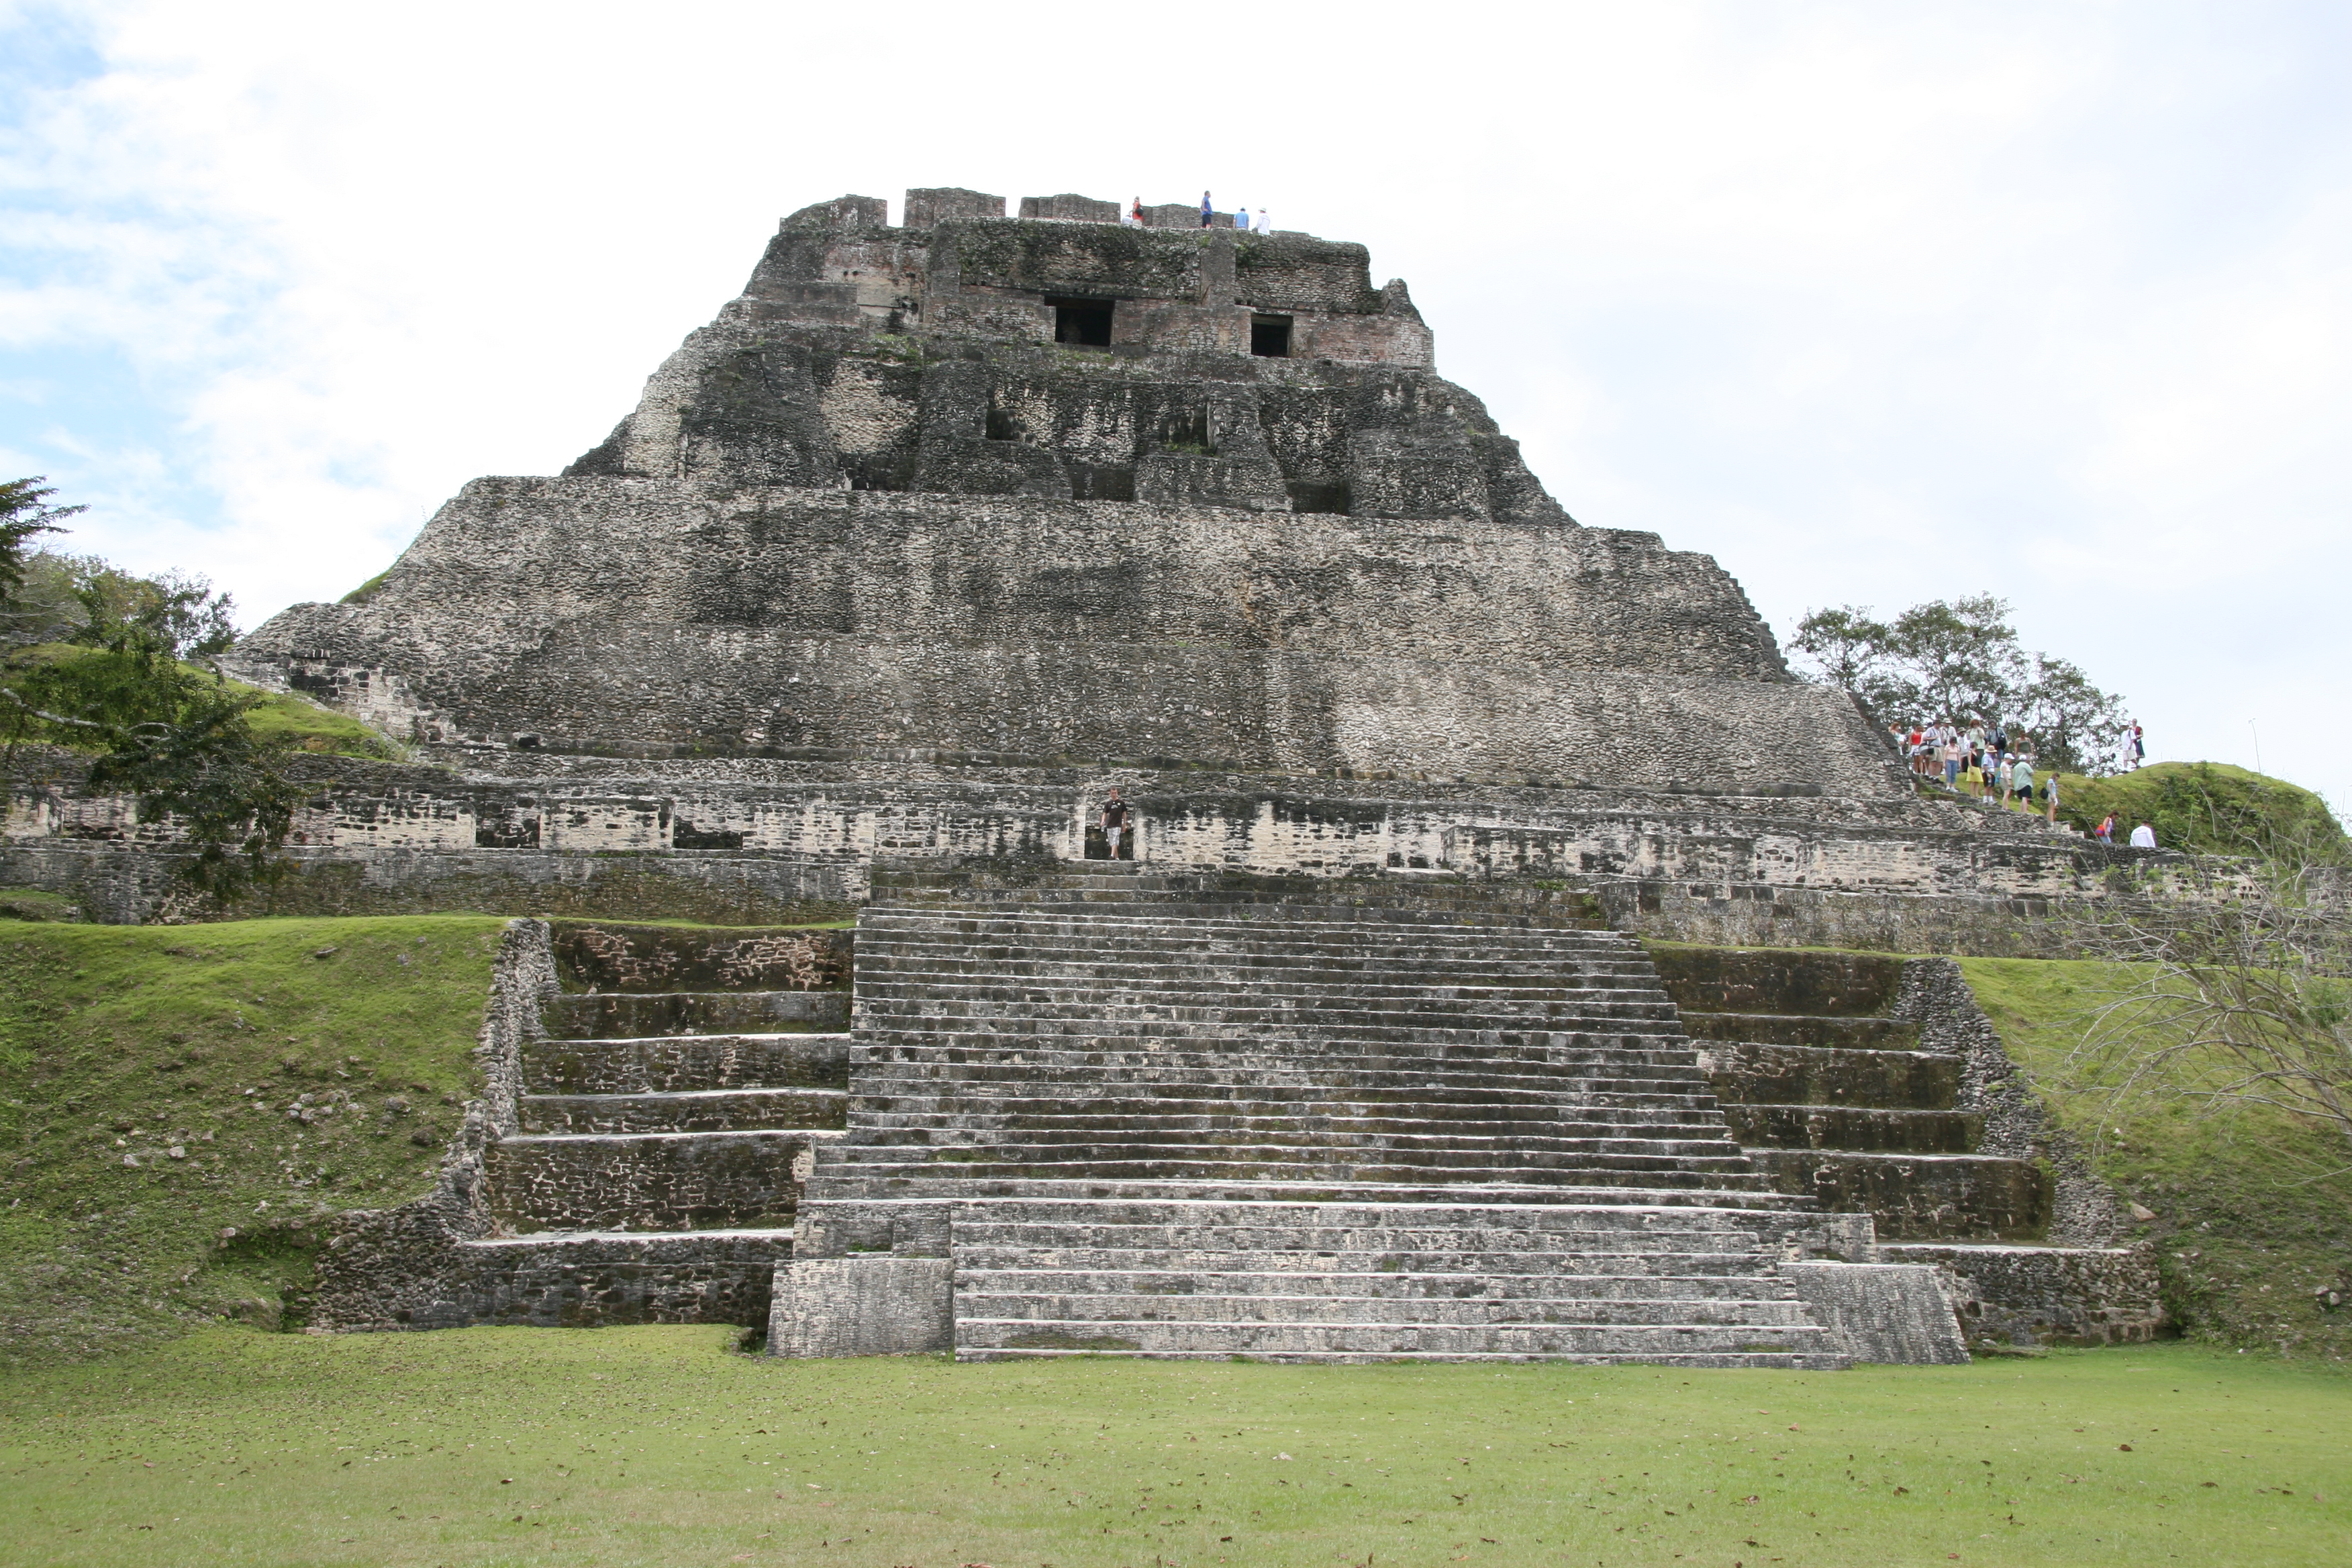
[1113, 827]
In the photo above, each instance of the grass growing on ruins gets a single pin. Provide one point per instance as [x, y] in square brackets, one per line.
[2253, 1206]
[121, 1045]
[657, 1446]
[281, 716]
[307, 726]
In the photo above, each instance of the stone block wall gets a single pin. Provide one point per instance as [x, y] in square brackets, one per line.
[797, 841]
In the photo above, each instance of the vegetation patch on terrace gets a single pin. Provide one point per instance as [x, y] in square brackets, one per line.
[2253, 1205]
[179, 1105]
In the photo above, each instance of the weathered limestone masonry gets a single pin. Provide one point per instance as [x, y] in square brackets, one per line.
[1877, 1085]
[654, 1100]
[759, 840]
[1119, 1112]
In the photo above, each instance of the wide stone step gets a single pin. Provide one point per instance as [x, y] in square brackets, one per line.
[1458, 1271]
[949, 957]
[834, 1181]
[916, 1041]
[1178, 916]
[1920, 1197]
[649, 1180]
[1776, 980]
[692, 1111]
[1855, 1127]
[885, 1006]
[1294, 1140]
[1797, 1029]
[976, 1301]
[1387, 1207]
[678, 1062]
[1116, 1163]
[1814, 1075]
[637, 1014]
[999, 1090]
[1682, 1343]
[612, 955]
[1309, 1108]
[605, 1279]
[1166, 982]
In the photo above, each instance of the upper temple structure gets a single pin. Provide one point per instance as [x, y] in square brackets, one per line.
[1015, 491]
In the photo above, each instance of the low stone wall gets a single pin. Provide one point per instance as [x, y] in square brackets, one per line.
[1898, 1314]
[762, 842]
[1913, 1195]
[701, 1179]
[2049, 1295]
[587, 1282]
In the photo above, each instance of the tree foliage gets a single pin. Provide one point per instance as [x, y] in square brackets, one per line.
[1961, 659]
[126, 668]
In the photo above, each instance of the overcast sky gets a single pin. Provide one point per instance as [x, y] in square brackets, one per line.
[1874, 303]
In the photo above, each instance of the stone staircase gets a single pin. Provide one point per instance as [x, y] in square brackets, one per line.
[664, 1126]
[1197, 1115]
[1835, 1096]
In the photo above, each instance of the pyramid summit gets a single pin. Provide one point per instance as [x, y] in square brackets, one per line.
[1019, 491]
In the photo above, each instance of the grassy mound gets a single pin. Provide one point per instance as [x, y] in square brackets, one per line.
[285, 716]
[307, 727]
[651, 1446]
[160, 1085]
[2207, 807]
[2253, 1206]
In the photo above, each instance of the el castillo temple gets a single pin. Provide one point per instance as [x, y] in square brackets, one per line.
[1506, 958]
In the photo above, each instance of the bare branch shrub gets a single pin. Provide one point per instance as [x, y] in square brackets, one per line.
[2230, 984]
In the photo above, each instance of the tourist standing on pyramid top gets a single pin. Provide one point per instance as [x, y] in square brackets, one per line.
[2143, 837]
[1240, 219]
[1208, 210]
[1135, 214]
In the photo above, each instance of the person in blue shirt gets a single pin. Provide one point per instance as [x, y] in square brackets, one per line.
[1208, 209]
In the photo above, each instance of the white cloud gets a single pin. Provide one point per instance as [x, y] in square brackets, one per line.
[1874, 303]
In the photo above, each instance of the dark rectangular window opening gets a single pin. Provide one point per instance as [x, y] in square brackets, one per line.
[1084, 322]
[1270, 337]
[1311, 495]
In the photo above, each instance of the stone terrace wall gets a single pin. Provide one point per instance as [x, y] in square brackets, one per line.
[650, 617]
[752, 841]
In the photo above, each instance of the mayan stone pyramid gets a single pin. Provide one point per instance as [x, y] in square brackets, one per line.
[1004, 492]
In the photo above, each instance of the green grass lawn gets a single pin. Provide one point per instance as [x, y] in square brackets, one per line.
[657, 1446]
[147, 1075]
[2252, 1206]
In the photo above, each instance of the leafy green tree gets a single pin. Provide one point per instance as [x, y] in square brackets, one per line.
[1961, 659]
[126, 668]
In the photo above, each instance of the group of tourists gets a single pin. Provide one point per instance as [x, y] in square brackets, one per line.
[1263, 223]
[1987, 764]
[1993, 766]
